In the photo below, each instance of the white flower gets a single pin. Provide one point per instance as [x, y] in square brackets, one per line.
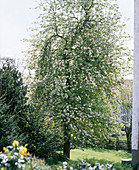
[88, 164]
[97, 163]
[21, 156]
[3, 156]
[65, 163]
[16, 153]
[10, 147]
[109, 166]
[4, 161]
[94, 167]
[6, 164]
[19, 166]
[21, 161]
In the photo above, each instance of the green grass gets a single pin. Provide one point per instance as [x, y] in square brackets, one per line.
[122, 138]
[99, 154]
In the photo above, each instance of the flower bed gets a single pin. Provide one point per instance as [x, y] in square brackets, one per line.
[16, 157]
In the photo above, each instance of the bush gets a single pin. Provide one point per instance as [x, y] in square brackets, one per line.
[56, 158]
[13, 100]
[116, 144]
[22, 121]
[13, 89]
[8, 128]
[41, 133]
[112, 143]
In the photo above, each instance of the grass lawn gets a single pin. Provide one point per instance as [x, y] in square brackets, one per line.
[103, 156]
[122, 138]
[99, 154]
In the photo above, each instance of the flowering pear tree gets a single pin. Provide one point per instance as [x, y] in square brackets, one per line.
[77, 54]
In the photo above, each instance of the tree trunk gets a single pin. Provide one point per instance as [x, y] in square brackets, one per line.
[128, 137]
[67, 149]
[66, 142]
[129, 142]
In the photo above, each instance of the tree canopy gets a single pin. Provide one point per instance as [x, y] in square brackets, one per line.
[78, 55]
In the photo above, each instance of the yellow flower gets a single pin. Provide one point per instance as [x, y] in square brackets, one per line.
[3, 169]
[5, 149]
[40, 161]
[26, 145]
[9, 153]
[23, 151]
[60, 168]
[15, 143]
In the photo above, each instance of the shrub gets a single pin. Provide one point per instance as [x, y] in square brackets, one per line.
[13, 89]
[41, 133]
[112, 143]
[13, 102]
[8, 128]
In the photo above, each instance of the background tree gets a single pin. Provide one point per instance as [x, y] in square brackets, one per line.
[8, 128]
[13, 93]
[78, 57]
[13, 88]
[4, 60]
[21, 120]
[125, 109]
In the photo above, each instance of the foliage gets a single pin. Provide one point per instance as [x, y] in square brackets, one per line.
[56, 158]
[125, 108]
[112, 143]
[42, 134]
[77, 54]
[22, 120]
[14, 92]
[8, 129]
[13, 88]
[12, 101]
[7, 126]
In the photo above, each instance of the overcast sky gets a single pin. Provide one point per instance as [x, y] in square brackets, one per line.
[16, 16]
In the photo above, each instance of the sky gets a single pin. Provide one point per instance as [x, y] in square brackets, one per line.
[16, 16]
